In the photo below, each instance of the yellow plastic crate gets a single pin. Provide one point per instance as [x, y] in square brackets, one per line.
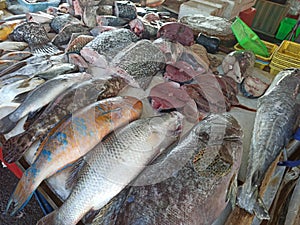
[274, 69]
[287, 63]
[261, 62]
[289, 50]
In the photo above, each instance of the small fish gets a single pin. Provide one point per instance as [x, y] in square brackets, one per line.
[73, 138]
[40, 97]
[36, 36]
[5, 63]
[60, 21]
[64, 36]
[9, 92]
[273, 127]
[189, 183]
[16, 55]
[113, 21]
[13, 45]
[56, 70]
[141, 61]
[78, 43]
[70, 101]
[114, 163]
[39, 17]
[12, 80]
[6, 29]
[100, 29]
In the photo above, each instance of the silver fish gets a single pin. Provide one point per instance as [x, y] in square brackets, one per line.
[40, 97]
[16, 55]
[114, 163]
[57, 69]
[274, 122]
[13, 46]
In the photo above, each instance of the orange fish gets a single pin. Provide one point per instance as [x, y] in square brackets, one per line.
[71, 139]
[6, 29]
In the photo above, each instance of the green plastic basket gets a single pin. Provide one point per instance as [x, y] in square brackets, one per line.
[286, 26]
[248, 39]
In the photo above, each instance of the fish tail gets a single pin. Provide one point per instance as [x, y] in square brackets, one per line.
[14, 147]
[45, 49]
[6, 124]
[48, 219]
[22, 194]
[252, 203]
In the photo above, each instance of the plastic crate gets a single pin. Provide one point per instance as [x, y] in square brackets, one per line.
[287, 63]
[39, 6]
[261, 62]
[274, 70]
[286, 26]
[248, 39]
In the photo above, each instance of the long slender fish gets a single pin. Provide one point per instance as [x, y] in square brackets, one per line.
[40, 97]
[73, 99]
[114, 163]
[73, 138]
[273, 127]
[190, 183]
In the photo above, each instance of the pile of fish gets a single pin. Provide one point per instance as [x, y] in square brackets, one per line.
[114, 97]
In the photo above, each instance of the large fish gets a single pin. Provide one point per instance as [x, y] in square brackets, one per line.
[73, 138]
[190, 183]
[273, 127]
[73, 99]
[40, 97]
[114, 163]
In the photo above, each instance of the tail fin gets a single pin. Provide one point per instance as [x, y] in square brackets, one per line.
[48, 219]
[252, 203]
[45, 49]
[14, 147]
[6, 124]
[22, 193]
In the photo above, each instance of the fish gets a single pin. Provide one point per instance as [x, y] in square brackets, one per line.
[56, 70]
[58, 22]
[70, 101]
[78, 43]
[189, 183]
[143, 28]
[77, 60]
[125, 9]
[114, 163]
[107, 20]
[141, 61]
[89, 15]
[9, 92]
[5, 63]
[40, 97]
[13, 45]
[73, 138]
[16, 55]
[64, 36]
[6, 29]
[39, 17]
[106, 45]
[36, 36]
[275, 119]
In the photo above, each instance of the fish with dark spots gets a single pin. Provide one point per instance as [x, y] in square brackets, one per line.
[78, 43]
[125, 9]
[59, 22]
[70, 101]
[189, 183]
[114, 21]
[71, 139]
[36, 36]
[274, 124]
[103, 48]
[141, 61]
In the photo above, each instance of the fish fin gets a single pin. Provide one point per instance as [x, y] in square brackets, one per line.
[22, 193]
[48, 219]
[44, 49]
[14, 147]
[74, 174]
[6, 124]
[33, 116]
[20, 97]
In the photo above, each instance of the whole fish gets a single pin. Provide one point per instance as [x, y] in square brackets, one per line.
[106, 45]
[5, 63]
[60, 21]
[114, 163]
[40, 97]
[190, 183]
[9, 92]
[36, 36]
[13, 45]
[141, 61]
[57, 69]
[273, 127]
[73, 99]
[16, 55]
[39, 17]
[73, 138]
[78, 43]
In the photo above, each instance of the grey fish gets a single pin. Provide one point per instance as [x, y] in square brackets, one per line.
[114, 163]
[36, 36]
[89, 16]
[5, 63]
[73, 99]
[16, 55]
[141, 61]
[106, 45]
[13, 45]
[12, 80]
[190, 183]
[125, 9]
[273, 127]
[40, 97]
[57, 69]
[60, 21]
[114, 21]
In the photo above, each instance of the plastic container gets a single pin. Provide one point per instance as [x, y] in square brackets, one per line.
[248, 15]
[286, 26]
[287, 63]
[248, 39]
[39, 6]
[289, 50]
[274, 69]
